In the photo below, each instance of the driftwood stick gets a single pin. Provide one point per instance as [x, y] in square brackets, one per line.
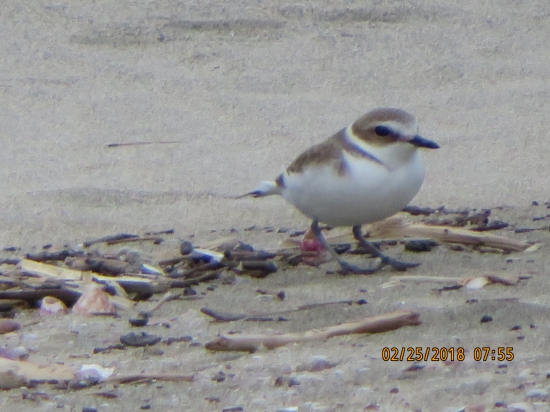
[375, 324]
[397, 227]
[223, 316]
[150, 377]
[143, 143]
[154, 239]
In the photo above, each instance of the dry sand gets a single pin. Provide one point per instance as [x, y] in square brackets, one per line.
[242, 87]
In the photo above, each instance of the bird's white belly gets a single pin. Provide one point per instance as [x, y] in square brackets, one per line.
[366, 193]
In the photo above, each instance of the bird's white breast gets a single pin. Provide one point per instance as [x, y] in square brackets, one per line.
[365, 193]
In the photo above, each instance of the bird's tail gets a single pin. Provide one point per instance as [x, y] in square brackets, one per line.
[265, 188]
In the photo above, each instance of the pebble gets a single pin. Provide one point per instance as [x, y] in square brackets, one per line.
[520, 407]
[143, 339]
[7, 326]
[186, 247]
[314, 407]
[537, 394]
[420, 245]
[526, 373]
[316, 364]
[486, 318]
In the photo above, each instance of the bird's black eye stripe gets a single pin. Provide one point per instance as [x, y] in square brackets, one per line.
[382, 131]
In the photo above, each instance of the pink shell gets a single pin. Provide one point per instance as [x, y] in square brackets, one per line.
[93, 300]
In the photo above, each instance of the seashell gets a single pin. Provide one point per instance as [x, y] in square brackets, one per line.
[93, 300]
[51, 306]
[477, 282]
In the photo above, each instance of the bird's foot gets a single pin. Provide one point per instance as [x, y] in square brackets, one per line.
[349, 269]
[397, 264]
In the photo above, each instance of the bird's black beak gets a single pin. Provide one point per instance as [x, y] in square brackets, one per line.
[419, 141]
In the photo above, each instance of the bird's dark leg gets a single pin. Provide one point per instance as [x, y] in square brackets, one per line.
[374, 251]
[346, 267]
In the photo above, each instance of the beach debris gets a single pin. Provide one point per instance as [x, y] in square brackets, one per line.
[89, 375]
[17, 373]
[7, 326]
[110, 238]
[470, 282]
[267, 316]
[375, 324]
[186, 247]
[476, 282]
[398, 227]
[137, 340]
[316, 364]
[52, 306]
[258, 268]
[94, 301]
[420, 245]
[222, 316]
[20, 373]
[18, 353]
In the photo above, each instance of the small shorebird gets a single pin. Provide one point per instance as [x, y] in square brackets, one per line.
[366, 172]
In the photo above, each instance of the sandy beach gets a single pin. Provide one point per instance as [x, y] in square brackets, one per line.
[204, 100]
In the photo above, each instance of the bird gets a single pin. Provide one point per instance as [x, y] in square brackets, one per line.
[364, 173]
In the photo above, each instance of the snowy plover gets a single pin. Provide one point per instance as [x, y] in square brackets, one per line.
[366, 172]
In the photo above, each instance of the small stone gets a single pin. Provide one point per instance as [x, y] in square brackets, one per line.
[297, 233]
[516, 327]
[144, 339]
[537, 394]
[394, 390]
[138, 322]
[486, 318]
[414, 368]
[219, 377]
[526, 373]
[258, 268]
[7, 326]
[420, 245]
[293, 382]
[189, 291]
[316, 364]
[520, 407]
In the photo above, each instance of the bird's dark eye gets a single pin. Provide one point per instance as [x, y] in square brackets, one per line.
[382, 131]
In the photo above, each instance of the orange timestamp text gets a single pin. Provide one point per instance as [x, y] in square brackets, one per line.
[435, 353]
